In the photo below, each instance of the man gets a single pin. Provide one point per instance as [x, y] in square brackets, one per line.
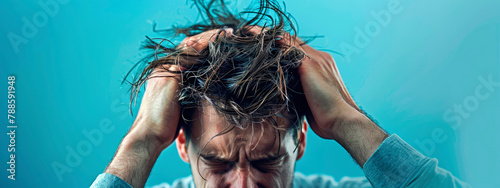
[238, 84]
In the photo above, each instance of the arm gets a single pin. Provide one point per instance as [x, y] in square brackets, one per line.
[154, 129]
[359, 136]
[156, 124]
[386, 161]
[134, 159]
[341, 119]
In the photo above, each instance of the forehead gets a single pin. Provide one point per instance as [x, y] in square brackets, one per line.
[224, 139]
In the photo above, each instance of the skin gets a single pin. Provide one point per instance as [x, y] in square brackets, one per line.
[334, 116]
[234, 159]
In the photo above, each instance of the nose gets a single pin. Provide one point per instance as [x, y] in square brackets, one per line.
[242, 179]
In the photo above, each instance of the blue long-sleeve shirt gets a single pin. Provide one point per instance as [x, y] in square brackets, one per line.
[394, 164]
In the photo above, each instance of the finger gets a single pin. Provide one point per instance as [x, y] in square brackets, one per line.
[191, 41]
[287, 39]
[166, 70]
[199, 42]
[343, 87]
[255, 29]
[226, 31]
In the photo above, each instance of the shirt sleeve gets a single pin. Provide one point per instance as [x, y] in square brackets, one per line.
[396, 164]
[325, 181]
[109, 180]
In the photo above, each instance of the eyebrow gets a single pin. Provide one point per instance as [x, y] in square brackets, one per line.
[271, 158]
[218, 159]
[215, 158]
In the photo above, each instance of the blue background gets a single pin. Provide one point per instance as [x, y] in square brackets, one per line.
[408, 73]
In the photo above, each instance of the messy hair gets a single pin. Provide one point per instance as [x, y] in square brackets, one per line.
[246, 77]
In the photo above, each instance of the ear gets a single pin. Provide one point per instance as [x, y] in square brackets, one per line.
[302, 140]
[180, 142]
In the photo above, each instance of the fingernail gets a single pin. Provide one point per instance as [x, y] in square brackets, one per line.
[229, 31]
[191, 41]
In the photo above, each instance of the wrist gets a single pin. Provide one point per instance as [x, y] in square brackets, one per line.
[356, 124]
[154, 133]
[346, 122]
[359, 135]
[134, 159]
[341, 118]
[144, 140]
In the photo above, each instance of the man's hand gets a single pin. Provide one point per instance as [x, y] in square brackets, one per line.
[333, 112]
[156, 124]
[154, 129]
[159, 112]
[326, 94]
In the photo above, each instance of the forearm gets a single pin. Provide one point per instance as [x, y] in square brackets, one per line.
[358, 135]
[135, 158]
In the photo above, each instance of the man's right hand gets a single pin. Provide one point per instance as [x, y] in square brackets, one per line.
[159, 112]
[154, 129]
[156, 124]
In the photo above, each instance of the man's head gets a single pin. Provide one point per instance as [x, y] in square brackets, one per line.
[235, 138]
[242, 103]
[223, 155]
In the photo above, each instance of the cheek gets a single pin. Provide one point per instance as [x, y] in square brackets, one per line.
[282, 177]
[288, 170]
[213, 180]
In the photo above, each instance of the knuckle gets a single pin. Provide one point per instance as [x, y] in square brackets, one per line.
[327, 56]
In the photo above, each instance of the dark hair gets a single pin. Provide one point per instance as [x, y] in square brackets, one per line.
[246, 77]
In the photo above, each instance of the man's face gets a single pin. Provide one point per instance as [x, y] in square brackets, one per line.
[235, 159]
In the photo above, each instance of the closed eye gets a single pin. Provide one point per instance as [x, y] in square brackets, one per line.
[217, 165]
[267, 165]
